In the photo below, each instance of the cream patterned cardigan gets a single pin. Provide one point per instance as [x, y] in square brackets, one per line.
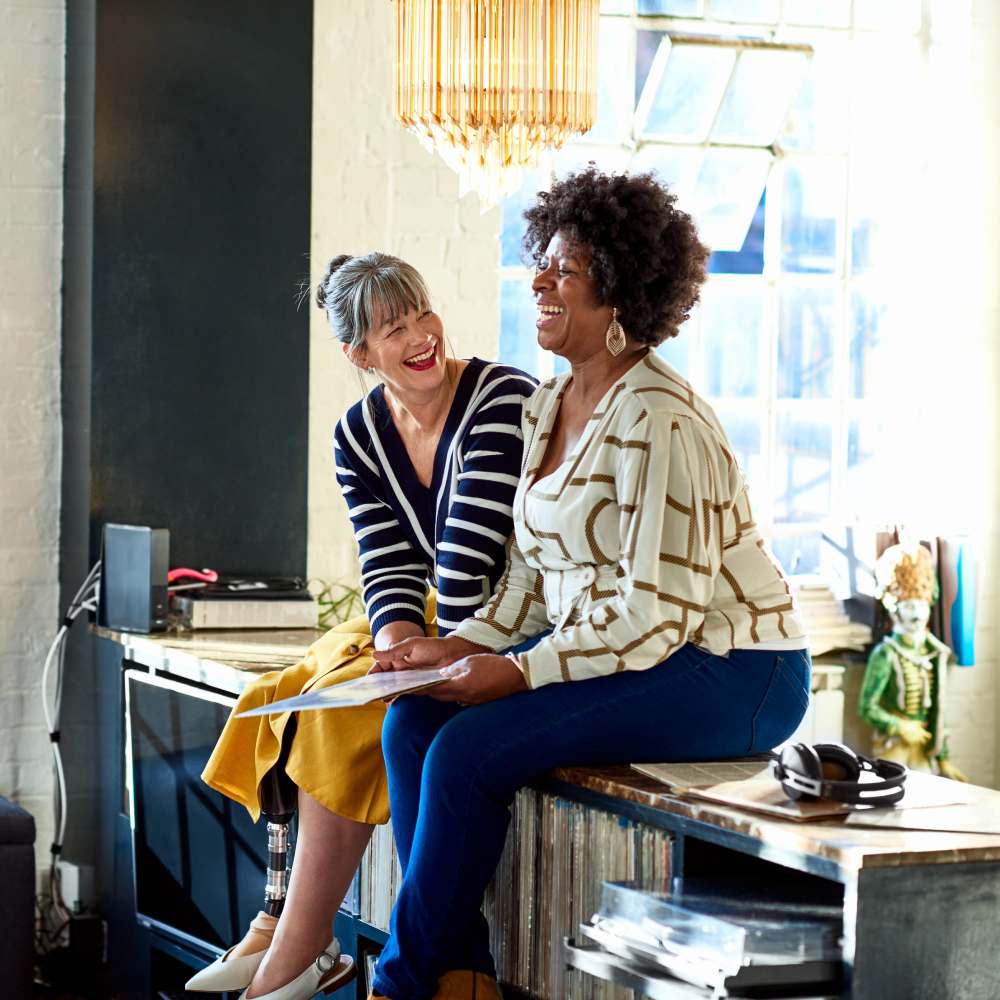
[641, 541]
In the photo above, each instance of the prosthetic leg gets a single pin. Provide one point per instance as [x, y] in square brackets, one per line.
[237, 967]
[278, 802]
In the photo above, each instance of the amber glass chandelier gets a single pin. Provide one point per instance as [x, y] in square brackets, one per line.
[491, 84]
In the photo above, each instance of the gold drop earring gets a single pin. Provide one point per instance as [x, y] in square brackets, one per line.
[615, 337]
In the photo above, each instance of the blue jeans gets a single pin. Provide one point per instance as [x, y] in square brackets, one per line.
[453, 773]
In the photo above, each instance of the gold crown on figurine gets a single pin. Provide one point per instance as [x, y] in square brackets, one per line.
[905, 573]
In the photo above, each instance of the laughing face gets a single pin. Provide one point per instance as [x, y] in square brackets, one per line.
[570, 322]
[407, 352]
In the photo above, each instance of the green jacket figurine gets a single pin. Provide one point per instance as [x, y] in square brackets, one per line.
[903, 693]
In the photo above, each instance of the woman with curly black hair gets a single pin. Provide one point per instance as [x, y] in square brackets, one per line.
[640, 616]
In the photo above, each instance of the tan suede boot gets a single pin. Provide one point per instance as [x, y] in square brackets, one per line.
[464, 984]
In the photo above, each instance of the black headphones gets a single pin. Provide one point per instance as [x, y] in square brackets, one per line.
[833, 771]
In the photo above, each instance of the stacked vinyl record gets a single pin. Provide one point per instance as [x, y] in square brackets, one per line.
[548, 881]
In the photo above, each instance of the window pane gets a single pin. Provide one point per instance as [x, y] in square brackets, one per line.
[886, 84]
[675, 351]
[798, 554]
[818, 120]
[873, 372]
[813, 204]
[743, 10]
[825, 13]
[742, 426]
[732, 325]
[683, 91]
[882, 213]
[518, 338]
[867, 495]
[676, 8]
[646, 45]
[616, 6]
[757, 99]
[749, 259]
[805, 343]
[800, 473]
[614, 93]
[676, 166]
[903, 15]
[513, 224]
[730, 184]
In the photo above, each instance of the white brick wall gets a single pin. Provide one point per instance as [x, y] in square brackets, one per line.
[958, 299]
[375, 188]
[32, 48]
[977, 727]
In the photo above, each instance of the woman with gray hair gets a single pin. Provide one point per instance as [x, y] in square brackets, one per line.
[428, 463]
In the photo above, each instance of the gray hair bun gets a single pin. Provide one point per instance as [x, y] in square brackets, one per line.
[331, 268]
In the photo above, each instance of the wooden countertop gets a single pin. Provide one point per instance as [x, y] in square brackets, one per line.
[851, 848]
[229, 660]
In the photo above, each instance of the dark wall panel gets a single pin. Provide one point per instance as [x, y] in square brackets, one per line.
[201, 234]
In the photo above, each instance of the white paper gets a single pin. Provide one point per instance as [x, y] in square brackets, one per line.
[360, 691]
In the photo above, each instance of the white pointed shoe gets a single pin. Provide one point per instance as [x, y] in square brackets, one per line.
[325, 974]
[236, 972]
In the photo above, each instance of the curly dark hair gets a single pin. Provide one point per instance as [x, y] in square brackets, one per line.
[646, 258]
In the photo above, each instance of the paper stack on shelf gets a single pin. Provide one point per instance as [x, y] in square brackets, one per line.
[548, 881]
[827, 624]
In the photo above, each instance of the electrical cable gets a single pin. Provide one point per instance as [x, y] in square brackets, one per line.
[51, 930]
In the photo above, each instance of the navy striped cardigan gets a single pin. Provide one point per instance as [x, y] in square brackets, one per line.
[452, 534]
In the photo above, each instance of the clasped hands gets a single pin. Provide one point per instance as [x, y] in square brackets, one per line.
[474, 676]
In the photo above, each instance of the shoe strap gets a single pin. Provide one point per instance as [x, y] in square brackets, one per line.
[327, 960]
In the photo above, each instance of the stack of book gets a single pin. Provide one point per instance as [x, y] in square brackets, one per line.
[237, 602]
[548, 882]
[827, 624]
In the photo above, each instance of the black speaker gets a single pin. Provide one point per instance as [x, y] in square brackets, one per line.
[134, 564]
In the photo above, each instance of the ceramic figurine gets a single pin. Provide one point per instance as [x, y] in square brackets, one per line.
[903, 694]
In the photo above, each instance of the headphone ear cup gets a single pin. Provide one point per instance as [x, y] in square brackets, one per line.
[807, 763]
[837, 762]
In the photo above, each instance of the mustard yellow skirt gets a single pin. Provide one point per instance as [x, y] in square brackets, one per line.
[335, 754]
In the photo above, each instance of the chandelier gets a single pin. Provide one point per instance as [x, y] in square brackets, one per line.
[492, 84]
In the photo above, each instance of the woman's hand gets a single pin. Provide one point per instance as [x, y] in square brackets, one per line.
[396, 632]
[418, 654]
[476, 679]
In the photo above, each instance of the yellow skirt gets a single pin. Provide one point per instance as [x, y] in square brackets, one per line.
[335, 754]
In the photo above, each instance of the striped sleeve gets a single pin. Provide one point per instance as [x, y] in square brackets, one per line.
[393, 575]
[471, 551]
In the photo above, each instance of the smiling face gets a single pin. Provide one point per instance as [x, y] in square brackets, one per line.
[407, 351]
[570, 322]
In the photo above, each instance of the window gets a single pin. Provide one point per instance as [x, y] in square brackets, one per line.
[792, 341]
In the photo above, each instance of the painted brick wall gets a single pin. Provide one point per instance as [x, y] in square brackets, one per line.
[956, 440]
[375, 188]
[976, 709]
[32, 48]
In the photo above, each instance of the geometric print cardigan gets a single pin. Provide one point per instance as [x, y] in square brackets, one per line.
[641, 541]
